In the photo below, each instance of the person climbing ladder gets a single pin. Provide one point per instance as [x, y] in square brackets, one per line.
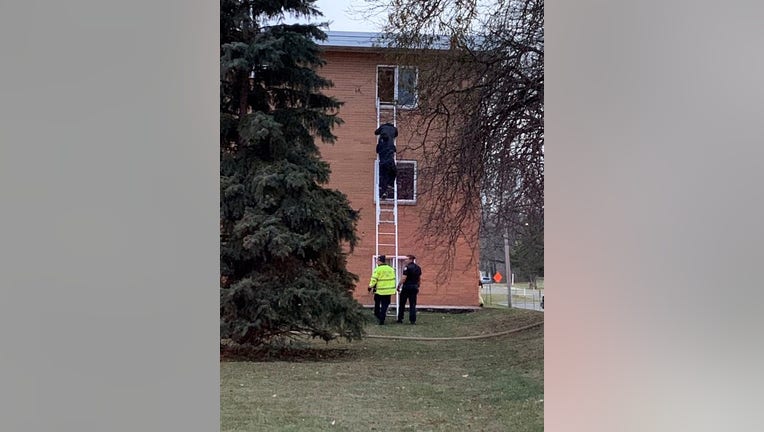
[386, 151]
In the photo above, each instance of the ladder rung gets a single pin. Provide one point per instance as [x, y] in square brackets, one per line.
[387, 221]
[387, 233]
[384, 244]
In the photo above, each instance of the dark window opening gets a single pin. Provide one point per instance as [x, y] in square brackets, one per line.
[406, 181]
[386, 85]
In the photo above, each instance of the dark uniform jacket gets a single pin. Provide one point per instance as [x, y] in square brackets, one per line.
[386, 143]
[413, 273]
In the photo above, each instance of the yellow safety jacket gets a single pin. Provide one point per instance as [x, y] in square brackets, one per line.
[383, 278]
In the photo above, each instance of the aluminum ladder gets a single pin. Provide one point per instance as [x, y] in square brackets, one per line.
[387, 212]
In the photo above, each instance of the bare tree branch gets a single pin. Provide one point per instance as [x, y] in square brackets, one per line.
[480, 113]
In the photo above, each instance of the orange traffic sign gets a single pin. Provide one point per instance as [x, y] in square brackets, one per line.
[497, 277]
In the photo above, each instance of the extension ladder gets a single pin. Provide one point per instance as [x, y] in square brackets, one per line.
[387, 211]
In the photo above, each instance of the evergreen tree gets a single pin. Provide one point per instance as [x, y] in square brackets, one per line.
[284, 237]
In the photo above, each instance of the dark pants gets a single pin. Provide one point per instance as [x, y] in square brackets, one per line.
[387, 173]
[381, 303]
[410, 295]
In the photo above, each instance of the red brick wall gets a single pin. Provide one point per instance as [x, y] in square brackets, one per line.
[352, 159]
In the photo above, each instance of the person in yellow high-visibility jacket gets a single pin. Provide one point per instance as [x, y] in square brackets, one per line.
[383, 283]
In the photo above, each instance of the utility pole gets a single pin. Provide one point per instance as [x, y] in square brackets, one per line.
[508, 267]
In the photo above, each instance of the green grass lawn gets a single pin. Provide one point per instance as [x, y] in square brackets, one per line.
[490, 384]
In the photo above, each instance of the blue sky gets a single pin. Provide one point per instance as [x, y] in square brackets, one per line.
[342, 17]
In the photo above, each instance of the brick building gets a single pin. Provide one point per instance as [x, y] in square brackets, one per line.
[360, 72]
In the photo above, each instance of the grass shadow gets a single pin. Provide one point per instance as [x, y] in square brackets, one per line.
[294, 351]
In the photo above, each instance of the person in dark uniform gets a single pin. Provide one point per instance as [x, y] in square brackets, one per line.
[386, 151]
[408, 288]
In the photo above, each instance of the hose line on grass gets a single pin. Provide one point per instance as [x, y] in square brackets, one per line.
[456, 337]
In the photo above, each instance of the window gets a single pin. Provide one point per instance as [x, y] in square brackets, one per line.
[406, 179]
[407, 86]
[396, 85]
[398, 263]
[386, 84]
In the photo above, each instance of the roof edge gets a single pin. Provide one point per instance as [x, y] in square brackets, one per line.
[346, 39]
[363, 41]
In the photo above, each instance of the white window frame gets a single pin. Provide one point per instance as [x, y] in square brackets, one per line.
[396, 85]
[376, 181]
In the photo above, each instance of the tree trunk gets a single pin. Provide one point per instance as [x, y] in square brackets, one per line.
[508, 267]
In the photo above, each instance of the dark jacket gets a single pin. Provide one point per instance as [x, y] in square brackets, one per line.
[387, 132]
[413, 273]
[386, 143]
